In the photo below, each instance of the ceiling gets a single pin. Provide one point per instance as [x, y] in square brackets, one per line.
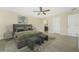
[29, 10]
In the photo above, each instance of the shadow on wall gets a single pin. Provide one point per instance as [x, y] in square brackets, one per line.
[8, 32]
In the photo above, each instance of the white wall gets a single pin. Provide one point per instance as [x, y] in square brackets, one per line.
[56, 24]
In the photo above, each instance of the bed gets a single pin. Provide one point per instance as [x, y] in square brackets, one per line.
[29, 38]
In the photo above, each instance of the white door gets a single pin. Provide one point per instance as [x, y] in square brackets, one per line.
[73, 24]
[56, 24]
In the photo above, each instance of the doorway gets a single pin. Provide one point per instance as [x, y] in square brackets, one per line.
[45, 25]
[56, 24]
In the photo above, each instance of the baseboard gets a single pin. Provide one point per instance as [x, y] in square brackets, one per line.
[65, 34]
[68, 34]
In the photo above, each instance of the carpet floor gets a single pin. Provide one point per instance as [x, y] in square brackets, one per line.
[56, 43]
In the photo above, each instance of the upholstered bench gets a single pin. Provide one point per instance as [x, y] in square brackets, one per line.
[33, 41]
[43, 37]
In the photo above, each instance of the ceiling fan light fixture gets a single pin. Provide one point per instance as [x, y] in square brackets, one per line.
[42, 11]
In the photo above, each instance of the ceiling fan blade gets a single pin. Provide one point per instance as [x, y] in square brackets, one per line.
[46, 10]
[36, 11]
[40, 9]
[44, 13]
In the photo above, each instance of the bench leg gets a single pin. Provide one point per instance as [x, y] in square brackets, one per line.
[31, 45]
[46, 38]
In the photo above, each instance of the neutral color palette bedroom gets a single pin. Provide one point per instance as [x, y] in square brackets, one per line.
[39, 29]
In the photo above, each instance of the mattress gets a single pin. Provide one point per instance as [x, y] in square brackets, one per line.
[25, 34]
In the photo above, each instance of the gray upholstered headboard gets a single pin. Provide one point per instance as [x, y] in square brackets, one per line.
[21, 27]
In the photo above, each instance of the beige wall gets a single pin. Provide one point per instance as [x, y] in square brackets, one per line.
[64, 24]
[37, 23]
[7, 18]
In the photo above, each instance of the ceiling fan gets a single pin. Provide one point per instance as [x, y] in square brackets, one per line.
[41, 11]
